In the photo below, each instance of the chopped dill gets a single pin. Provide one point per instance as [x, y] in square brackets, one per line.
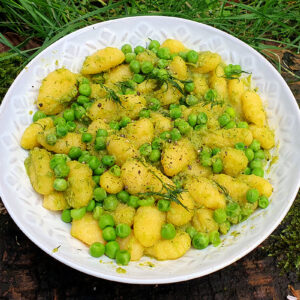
[111, 94]
[211, 98]
[233, 71]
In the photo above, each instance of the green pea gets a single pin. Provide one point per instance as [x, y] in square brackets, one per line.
[129, 57]
[259, 154]
[162, 74]
[138, 78]
[163, 205]
[146, 202]
[200, 240]
[59, 121]
[57, 159]
[175, 134]
[205, 160]
[178, 121]
[164, 53]
[146, 67]
[192, 119]
[61, 170]
[124, 121]
[66, 216]
[168, 231]
[100, 143]
[102, 133]
[165, 135]
[86, 137]
[123, 196]
[133, 201]
[114, 125]
[83, 99]
[155, 72]
[173, 105]
[154, 155]
[230, 124]
[97, 212]
[97, 249]
[215, 151]
[258, 172]
[191, 231]
[224, 120]
[214, 238]
[263, 202]
[206, 151]
[249, 154]
[255, 163]
[240, 146]
[154, 44]
[79, 112]
[99, 194]
[162, 63]
[110, 203]
[51, 139]
[210, 95]
[111, 249]
[183, 55]
[96, 179]
[230, 111]
[154, 104]
[189, 86]
[191, 100]
[192, 56]
[84, 89]
[202, 118]
[217, 166]
[247, 171]
[69, 114]
[94, 162]
[242, 125]
[145, 149]
[139, 49]
[123, 230]
[156, 143]
[255, 145]
[105, 221]
[100, 170]
[175, 113]
[38, 115]
[109, 234]
[108, 160]
[91, 205]
[115, 170]
[61, 130]
[126, 48]
[224, 227]
[71, 126]
[60, 184]
[252, 195]
[123, 257]
[220, 215]
[84, 80]
[78, 213]
[233, 209]
[144, 113]
[88, 105]
[84, 158]
[135, 66]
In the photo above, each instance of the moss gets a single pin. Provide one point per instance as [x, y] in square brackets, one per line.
[284, 244]
[9, 69]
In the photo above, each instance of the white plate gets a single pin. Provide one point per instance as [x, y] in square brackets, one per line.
[46, 229]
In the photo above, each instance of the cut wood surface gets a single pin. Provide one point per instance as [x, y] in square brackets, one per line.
[26, 272]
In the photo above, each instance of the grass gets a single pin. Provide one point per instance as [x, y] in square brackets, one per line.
[264, 25]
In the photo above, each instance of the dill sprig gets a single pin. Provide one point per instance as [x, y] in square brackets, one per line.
[210, 97]
[172, 192]
[233, 71]
[111, 94]
[224, 191]
[164, 77]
